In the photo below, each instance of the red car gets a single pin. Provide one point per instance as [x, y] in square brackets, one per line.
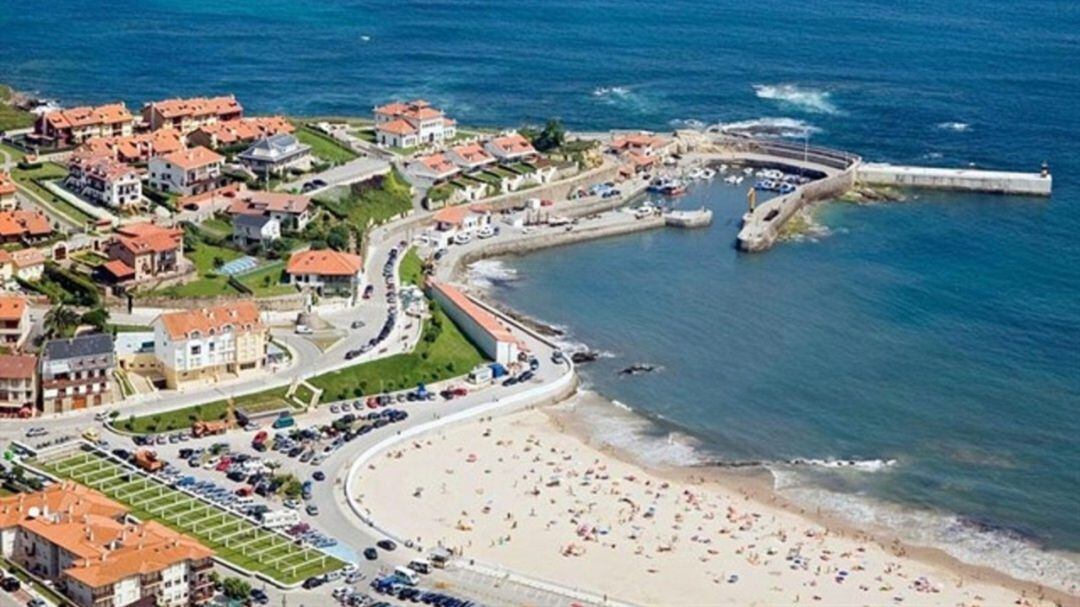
[244, 491]
[223, 465]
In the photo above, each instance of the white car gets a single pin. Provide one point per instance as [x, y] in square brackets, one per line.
[485, 232]
[304, 330]
[462, 238]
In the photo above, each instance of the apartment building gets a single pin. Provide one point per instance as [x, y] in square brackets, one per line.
[208, 343]
[187, 172]
[75, 125]
[186, 115]
[76, 373]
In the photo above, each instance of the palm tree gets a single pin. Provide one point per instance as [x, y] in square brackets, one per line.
[61, 321]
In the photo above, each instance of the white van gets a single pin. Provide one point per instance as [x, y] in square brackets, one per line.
[407, 576]
[422, 566]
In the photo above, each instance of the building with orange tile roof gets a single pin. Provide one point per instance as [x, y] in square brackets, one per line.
[187, 172]
[24, 226]
[511, 147]
[209, 343]
[75, 125]
[8, 200]
[28, 264]
[101, 179]
[643, 144]
[292, 211]
[186, 115]
[482, 326]
[234, 132]
[326, 272]
[18, 384]
[470, 156]
[85, 544]
[140, 251]
[432, 169]
[413, 123]
[14, 321]
[138, 148]
[462, 217]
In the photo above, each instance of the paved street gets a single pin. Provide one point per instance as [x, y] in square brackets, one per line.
[354, 171]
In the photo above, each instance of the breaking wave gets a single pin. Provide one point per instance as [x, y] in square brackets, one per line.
[956, 127]
[488, 273]
[769, 127]
[807, 99]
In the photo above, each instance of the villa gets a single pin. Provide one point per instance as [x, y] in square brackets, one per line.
[186, 115]
[14, 321]
[76, 373]
[406, 125]
[276, 154]
[642, 144]
[327, 272]
[101, 179]
[76, 125]
[292, 211]
[141, 251]
[135, 149]
[18, 385]
[207, 343]
[8, 201]
[24, 226]
[511, 147]
[187, 172]
[89, 549]
[235, 132]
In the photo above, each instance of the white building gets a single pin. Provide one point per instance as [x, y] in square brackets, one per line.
[276, 154]
[187, 172]
[327, 272]
[105, 181]
[207, 343]
[406, 125]
[483, 327]
[255, 229]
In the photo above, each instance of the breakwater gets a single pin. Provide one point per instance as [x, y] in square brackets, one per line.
[971, 180]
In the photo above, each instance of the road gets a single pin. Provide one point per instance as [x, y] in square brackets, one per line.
[353, 171]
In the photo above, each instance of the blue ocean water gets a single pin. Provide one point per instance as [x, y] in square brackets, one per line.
[943, 332]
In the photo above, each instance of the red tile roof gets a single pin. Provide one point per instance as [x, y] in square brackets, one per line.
[197, 106]
[397, 127]
[473, 153]
[487, 321]
[7, 185]
[141, 238]
[513, 144]
[24, 258]
[12, 307]
[242, 316]
[88, 116]
[134, 148]
[438, 163]
[194, 158]
[261, 202]
[17, 366]
[455, 215]
[246, 129]
[326, 262]
[19, 224]
[118, 269]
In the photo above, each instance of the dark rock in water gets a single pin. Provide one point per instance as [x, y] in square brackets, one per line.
[637, 369]
[585, 356]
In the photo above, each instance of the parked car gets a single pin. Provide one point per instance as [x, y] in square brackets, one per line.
[387, 545]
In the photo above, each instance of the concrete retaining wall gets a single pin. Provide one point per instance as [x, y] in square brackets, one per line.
[970, 180]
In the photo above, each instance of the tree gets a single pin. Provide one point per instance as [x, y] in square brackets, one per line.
[98, 318]
[553, 136]
[61, 321]
[218, 261]
[236, 588]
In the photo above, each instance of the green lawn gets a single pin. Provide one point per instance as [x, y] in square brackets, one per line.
[48, 171]
[411, 268]
[180, 419]
[218, 225]
[209, 283]
[12, 117]
[323, 146]
[373, 204]
[15, 153]
[256, 281]
[251, 549]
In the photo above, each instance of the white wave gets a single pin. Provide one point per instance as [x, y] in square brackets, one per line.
[611, 91]
[687, 123]
[864, 465]
[487, 273]
[967, 541]
[957, 127]
[623, 429]
[811, 100]
[933, 155]
[778, 127]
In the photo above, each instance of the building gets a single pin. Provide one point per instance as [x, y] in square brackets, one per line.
[432, 169]
[76, 125]
[462, 218]
[327, 272]
[641, 144]
[18, 385]
[8, 201]
[90, 550]
[207, 343]
[100, 178]
[406, 125]
[511, 147]
[293, 211]
[249, 230]
[187, 172]
[236, 132]
[24, 226]
[139, 251]
[136, 149]
[14, 321]
[276, 154]
[28, 264]
[186, 115]
[481, 326]
[76, 373]
[470, 157]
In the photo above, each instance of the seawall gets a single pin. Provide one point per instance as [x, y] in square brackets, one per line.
[970, 180]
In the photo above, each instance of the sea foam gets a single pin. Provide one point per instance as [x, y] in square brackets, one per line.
[776, 127]
[807, 99]
[956, 127]
[488, 273]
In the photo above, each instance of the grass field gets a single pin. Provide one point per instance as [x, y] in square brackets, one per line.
[372, 205]
[180, 419]
[233, 538]
[411, 268]
[256, 280]
[11, 117]
[324, 146]
[209, 283]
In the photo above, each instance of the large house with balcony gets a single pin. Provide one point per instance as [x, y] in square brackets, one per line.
[76, 373]
[90, 550]
[75, 125]
[292, 211]
[187, 172]
[413, 123]
[276, 154]
[100, 178]
[14, 321]
[18, 385]
[140, 251]
[136, 149]
[326, 272]
[186, 115]
[209, 343]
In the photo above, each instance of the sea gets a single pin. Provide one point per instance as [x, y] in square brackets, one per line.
[933, 344]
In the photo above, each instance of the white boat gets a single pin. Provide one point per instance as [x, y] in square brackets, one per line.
[731, 179]
[462, 238]
[707, 173]
[697, 173]
[748, 171]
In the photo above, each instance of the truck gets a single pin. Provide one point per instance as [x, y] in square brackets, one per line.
[276, 519]
[201, 428]
[147, 459]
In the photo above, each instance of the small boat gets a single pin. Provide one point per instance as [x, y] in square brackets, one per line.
[786, 188]
[697, 173]
[767, 185]
[731, 179]
[707, 173]
[748, 171]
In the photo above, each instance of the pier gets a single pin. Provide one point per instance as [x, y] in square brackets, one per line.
[968, 180]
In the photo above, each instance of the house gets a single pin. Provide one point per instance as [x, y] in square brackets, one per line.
[140, 251]
[406, 125]
[135, 149]
[8, 200]
[18, 385]
[642, 144]
[432, 169]
[77, 373]
[276, 154]
[186, 115]
[511, 147]
[207, 343]
[28, 264]
[14, 321]
[481, 325]
[470, 157]
[293, 211]
[251, 230]
[235, 132]
[462, 218]
[187, 172]
[327, 272]
[100, 178]
[24, 226]
[76, 125]
[88, 548]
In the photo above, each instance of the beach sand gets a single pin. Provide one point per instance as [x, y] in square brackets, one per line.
[525, 493]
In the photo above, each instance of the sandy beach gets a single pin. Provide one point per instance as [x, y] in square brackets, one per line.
[523, 492]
